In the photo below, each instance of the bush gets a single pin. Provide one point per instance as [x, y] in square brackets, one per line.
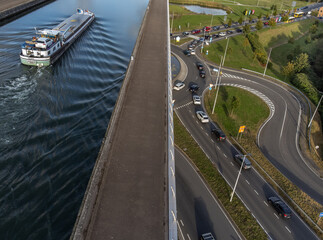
[291, 40]
[302, 82]
[308, 40]
[257, 47]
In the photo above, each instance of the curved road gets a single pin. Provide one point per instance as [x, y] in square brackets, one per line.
[252, 189]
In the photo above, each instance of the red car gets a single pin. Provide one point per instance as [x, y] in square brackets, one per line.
[207, 29]
[196, 31]
[266, 23]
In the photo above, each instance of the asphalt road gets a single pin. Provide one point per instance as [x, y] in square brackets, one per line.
[252, 188]
[198, 211]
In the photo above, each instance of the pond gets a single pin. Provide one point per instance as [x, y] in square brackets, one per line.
[205, 10]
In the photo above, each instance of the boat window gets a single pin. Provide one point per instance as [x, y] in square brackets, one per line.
[54, 49]
[48, 52]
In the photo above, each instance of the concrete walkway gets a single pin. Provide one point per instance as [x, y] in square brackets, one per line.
[127, 194]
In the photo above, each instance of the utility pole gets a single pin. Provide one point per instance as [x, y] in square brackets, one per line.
[171, 28]
[235, 185]
[315, 111]
[216, 84]
[211, 21]
[225, 51]
[267, 62]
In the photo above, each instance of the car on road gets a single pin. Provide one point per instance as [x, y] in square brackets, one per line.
[186, 33]
[199, 66]
[229, 32]
[202, 116]
[266, 23]
[207, 236]
[218, 133]
[226, 25]
[178, 86]
[238, 30]
[192, 52]
[222, 34]
[187, 52]
[215, 28]
[196, 99]
[196, 31]
[239, 159]
[190, 47]
[281, 207]
[207, 29]
[202, 73]
[194, 87]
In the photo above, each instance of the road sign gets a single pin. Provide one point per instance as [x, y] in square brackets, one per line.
[225, 18]
[321, 214]
[241, 129]
[293, 3]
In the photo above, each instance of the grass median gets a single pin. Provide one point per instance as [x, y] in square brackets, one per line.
[238, 212]
[252, 112]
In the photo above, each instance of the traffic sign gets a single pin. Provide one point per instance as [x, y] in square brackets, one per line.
[241, 129]
[321, 214]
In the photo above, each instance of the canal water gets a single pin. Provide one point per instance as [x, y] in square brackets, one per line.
[53, 119]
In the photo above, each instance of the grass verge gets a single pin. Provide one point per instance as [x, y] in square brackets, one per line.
[243, 219]
[256, 114]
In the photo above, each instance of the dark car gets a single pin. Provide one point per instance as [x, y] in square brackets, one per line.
[219, 135]
[215, 35]
[226, 25]
[229, 32]
[199, 66]
[187, 52]
[207, 36]
[238, 30]
[202, 73]
[194, 87]
[239, 159]
[185, 33]
[281, 207]
[190, 47]
[215, 28]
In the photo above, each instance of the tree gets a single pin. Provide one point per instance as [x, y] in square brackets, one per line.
[289, 70]
[246, 29]
[275, 13]
[308, 39]
[245, 43]
[235, 103]
[267, 16]
[240, 20]
[230, 22]
[259, 25]
[313, 29]
[302, 82]
[301, 62]
[259, 16]
[272, 22]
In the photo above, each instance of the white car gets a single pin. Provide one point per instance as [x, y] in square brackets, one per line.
[178, 86]
[196, 100]
[202, 116]
[192, 52]
[222, 34]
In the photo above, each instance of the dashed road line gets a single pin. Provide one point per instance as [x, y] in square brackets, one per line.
[256, 192]
[184, 105]
[182, 222]
[266, 203]
[276, 215]
[188, 236]
[288, 229]
[218, 147]
[225, 155]
[231, 163]
[247, 182]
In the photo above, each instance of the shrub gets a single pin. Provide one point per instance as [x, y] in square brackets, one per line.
[257, 47]
[302, 82]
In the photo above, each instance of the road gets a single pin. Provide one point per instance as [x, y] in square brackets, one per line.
[198, 211]
[252, 188]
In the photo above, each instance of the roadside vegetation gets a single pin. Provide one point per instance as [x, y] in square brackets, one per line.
[238, 212]
[251, 113]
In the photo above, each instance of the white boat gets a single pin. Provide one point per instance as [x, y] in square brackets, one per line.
[49, 44]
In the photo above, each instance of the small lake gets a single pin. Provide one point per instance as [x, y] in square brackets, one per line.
[205, 10]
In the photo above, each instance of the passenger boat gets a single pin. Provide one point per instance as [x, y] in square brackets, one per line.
[49, 44]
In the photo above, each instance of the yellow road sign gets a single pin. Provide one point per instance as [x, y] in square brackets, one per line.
[241, 129]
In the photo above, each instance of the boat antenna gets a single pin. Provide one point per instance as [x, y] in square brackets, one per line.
[35, 30]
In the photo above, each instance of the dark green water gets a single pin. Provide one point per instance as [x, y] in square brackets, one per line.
[53, 119]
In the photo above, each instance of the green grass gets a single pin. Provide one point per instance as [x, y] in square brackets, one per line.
[250, 105]
[240, 215]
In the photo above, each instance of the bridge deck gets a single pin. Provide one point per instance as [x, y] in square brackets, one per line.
[132, 200]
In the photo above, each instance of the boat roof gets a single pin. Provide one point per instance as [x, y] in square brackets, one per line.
[74, 20]
[49, 32]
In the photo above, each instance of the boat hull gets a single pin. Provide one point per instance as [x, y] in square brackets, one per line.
[31, 61]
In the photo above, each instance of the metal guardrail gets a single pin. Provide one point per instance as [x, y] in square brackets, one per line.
[172, 212]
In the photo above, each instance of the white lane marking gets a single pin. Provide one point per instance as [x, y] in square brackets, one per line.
[225, 155]
[247, 181]
[201, 127]
[281, 131]
[231, 163]
[188, 236]
[206, 134]
[212, 140]
[196, 121]
[256, 192]
[180, 230]
[182, 222]
[218, 147]
[266, 203]
[288, 229]
[276, 215]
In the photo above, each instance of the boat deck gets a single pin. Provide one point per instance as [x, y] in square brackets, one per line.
[71, 24]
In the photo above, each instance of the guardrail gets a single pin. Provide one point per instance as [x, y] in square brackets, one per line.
[172, 212]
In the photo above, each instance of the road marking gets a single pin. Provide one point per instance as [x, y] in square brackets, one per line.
[196, 121]
[218, 147]
[225, 155]
[288, 229]
[180, 230]
[247, 181]
[276, 215]
[201, 127]
[281, 131]
[182, 222]
[188, 236]
[231, 163]
[206, 134]
[256, 192]
[212, 140]
[266, 203]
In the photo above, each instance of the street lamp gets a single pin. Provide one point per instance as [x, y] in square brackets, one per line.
[267, 62]
[235, 185]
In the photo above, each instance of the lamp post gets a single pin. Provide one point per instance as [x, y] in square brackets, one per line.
[315, 112]
[267, 62]
[235, 185]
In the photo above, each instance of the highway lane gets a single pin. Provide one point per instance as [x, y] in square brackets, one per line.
[252, 189]
[198, 211]
[281, 146]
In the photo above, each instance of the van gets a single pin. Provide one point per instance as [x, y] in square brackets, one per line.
[239, 159]
[207, 236]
